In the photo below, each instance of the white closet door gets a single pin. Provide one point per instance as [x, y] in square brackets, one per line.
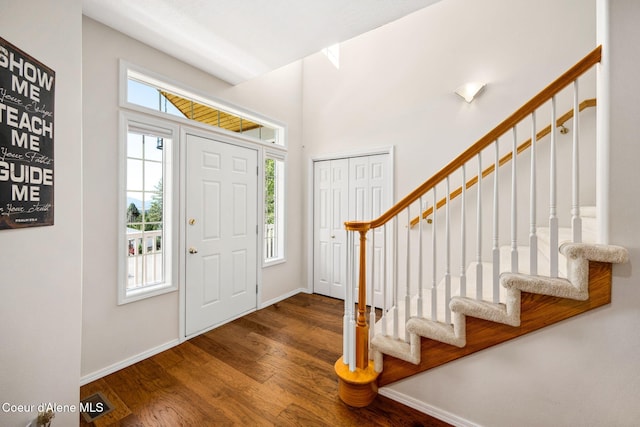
[380, 200]
[370, 197]
[330, 212]
[357, 188]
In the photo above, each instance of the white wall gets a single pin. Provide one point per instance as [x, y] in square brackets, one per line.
[40, 284]
[395, 86]
[115, 335]
[582, 371]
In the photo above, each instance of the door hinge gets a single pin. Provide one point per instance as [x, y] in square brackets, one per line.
[256, 228]
[257, 171]
[256, 288]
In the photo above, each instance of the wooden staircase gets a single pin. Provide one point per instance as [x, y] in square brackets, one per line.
[536, 311]
[505, 289]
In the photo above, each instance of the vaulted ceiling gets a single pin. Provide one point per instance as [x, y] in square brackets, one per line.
[238, 40]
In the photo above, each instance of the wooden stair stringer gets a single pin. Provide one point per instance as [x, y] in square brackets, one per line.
[537, 311]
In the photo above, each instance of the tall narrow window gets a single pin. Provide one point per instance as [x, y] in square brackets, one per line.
[147, 238]
[274, 209]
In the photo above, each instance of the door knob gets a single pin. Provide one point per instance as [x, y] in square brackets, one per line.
[193, 251]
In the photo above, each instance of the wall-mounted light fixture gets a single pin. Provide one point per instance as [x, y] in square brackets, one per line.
[470, 90]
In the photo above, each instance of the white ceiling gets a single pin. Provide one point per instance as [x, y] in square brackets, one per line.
[237, 40]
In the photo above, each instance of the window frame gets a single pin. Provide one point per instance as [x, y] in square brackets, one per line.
[281, 216]
[129, 70]
[150, 126]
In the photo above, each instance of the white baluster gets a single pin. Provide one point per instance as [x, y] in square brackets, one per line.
[447, 251]
[345, 320]
[395, 279]
[496, 224]
[407, 294]
[533, 238]
[434, 283]
[479, 232]
[576, 220]
[385, 306]
[352, 300]
[514, 207]
[553, 219]
[352, 317]
[463, 232]
[372, 279]
[420, 283]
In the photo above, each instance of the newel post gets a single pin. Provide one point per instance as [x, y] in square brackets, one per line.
[362, 329]
[358, 388]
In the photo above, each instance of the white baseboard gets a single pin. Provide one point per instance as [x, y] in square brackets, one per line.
[283, 297]
[426, 408]
[127, 362]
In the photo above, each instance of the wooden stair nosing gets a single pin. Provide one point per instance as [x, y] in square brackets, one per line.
[537, 311]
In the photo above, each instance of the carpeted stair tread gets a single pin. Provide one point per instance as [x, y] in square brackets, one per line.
[439, 331]
[397, 348]
[507, 313]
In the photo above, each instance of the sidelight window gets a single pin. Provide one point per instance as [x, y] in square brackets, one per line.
[146, 211]
[274, 236]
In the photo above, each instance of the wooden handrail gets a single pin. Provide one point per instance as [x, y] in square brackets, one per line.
[534, 103]
[587, 103]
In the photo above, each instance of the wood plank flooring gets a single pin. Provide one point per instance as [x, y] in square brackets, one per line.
[273, 367]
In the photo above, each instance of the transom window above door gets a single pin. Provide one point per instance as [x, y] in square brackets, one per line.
[145, 91]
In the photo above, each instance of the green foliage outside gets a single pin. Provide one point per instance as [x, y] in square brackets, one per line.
[152, 218]
[270, 193]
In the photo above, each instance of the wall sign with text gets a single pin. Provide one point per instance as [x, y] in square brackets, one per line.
[27, 99]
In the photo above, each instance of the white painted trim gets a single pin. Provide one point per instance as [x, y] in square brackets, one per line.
[127, 362]
[271, 263]
[260, 232]
[309, 233]
[182, 227]
[603, 123]
[355, 153]
[284, 297]
[433, 411]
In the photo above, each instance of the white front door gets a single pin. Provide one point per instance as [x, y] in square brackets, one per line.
[221, 232]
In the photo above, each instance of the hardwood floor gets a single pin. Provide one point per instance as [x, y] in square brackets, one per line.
[273, 367]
